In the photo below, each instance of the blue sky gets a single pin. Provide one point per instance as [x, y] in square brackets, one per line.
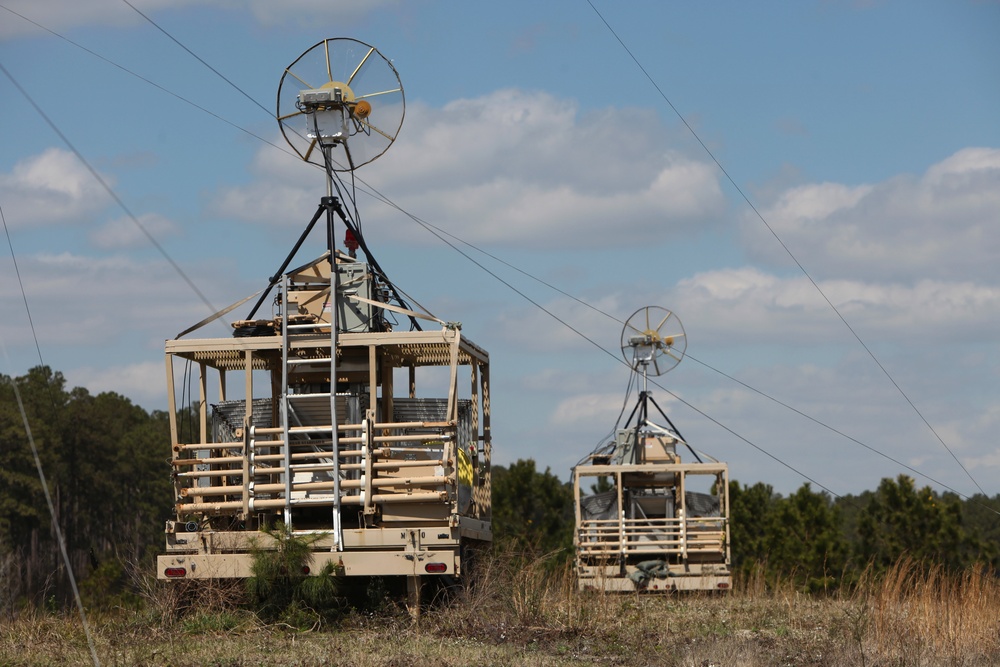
[864, 133]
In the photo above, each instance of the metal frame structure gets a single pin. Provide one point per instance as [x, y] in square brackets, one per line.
[635, 549]
[320, 437]
[649, 525]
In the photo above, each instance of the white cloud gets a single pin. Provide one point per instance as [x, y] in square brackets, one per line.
[813, 202]
[586, 412]
[276, 204]
[741, 306]
[762, 306]
[284, 191]
[938, 226]
[49, 188]
[966, 162]
[92, 301]
[514, 167]
[123, 232]
[526, 167]
[142, 382]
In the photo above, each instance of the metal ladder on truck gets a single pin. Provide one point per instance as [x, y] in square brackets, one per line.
[321, 442]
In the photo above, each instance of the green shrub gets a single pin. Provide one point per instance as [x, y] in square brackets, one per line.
[280, 589]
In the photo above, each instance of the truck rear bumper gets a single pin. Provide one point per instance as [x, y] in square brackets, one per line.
[347, 563]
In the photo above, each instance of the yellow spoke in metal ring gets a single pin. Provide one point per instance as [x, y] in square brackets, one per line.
[290, 115]
[360, 65]
[372, 127]
[307, 85]
[381, 92]
[312, 145]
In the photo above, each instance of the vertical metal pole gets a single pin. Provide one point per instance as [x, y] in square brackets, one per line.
[334, 325]
[578, 518]
[203, 402]
[172, 418]
[684, 518]
[641, 422]
[222, 384]
[249, 426]
[724, 481]
[284, 402]
[622, 536]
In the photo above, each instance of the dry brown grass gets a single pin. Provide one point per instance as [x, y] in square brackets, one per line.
[917, 614]
[529, 613]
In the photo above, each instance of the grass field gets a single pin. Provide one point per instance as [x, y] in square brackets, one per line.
[528, 615]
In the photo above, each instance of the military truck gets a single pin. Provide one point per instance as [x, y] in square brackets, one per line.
[336, 417]
[645, 520]
[320, 418]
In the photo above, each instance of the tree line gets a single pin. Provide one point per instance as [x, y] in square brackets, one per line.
[817, 541]
[105, 461]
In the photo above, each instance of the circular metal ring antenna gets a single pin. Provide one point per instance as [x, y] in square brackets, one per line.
[653, 338]
[340, 100]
